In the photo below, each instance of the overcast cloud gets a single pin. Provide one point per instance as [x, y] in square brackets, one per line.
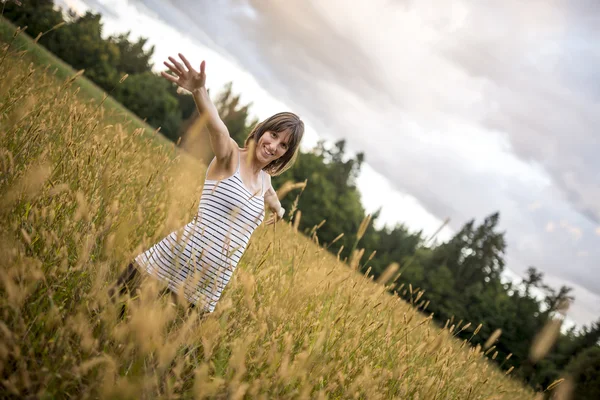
[469, 107]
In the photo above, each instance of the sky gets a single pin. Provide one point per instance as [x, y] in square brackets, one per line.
[462, 108]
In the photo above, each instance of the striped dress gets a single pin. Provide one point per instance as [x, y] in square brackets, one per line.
[201, 257]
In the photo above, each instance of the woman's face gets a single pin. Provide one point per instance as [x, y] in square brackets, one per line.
[271, 146]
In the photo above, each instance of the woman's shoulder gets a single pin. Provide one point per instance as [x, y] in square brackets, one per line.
[267, 178]
[219, 169]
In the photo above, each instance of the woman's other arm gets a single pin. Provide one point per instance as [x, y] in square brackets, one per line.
[273, 203]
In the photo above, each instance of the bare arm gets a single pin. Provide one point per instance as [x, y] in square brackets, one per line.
[194, 81]
[220, 140]
[273, 203]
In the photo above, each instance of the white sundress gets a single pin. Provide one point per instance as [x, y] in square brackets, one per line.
[201, 256]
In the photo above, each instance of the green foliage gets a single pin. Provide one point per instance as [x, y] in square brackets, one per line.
[133, 59]
[330, 194]
[38, 15]
[115, 112]
[159, 109]
[187, 105]
[81, 45]
[80, 199]
[234, 114]
[396, 244]
[584, 370]
[589, 336]
[461, 278]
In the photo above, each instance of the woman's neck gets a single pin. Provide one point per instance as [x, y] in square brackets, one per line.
[254, 164]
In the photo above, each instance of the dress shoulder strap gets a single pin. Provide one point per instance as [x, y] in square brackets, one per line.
[237, 170]
[239, 161]
[208, 168]
[263, 182]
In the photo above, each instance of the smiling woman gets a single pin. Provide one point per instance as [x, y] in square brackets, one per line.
[198, 260]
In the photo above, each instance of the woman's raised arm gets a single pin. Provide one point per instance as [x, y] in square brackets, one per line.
[190, 79]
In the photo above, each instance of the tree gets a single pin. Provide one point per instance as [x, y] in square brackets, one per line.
[81, 45]
[133, 59]
[235, 115]
[395, 244]
[557, 301]
[195, 138]
[461, 277]
[38, 15]
[575, 344]
[344, 172]
[442, 280]
[330, 195]
[474, 254]
[584, 370]
[187, 106]
[533, 279]
[147, 96]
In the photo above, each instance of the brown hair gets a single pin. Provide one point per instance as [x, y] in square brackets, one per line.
[281, 122]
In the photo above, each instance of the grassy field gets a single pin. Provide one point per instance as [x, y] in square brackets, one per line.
[81, 195]
[89, 92]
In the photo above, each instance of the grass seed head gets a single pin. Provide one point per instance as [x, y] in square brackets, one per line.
[492, 339]
[544, 340]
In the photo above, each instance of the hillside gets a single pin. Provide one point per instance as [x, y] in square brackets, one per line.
[114, 111]
[82, 193]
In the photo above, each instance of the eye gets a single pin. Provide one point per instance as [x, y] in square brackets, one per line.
[284, 145]
[274, 134]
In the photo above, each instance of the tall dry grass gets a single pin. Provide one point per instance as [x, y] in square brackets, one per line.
[79, 199]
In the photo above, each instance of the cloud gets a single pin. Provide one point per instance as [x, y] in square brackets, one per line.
[543, 76]
[468, 107]
[97, 5]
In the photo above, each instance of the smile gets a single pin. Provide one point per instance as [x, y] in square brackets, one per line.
[267, 153]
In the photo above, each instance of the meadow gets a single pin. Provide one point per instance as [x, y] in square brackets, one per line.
[84, 187]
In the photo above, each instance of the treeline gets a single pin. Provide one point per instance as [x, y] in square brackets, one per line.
[459, 281]
[79, 42]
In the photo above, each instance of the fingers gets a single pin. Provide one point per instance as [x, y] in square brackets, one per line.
[186, 62]
[169, 77]
[173, 69]
[177, 64]
[272, 220]
[202, 67]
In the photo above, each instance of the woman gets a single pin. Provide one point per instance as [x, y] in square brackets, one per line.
[200, 259]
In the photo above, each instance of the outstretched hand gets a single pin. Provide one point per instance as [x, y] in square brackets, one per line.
[186, 76]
